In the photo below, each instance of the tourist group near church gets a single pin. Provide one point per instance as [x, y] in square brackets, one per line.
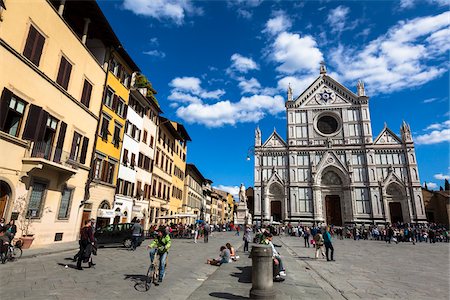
[82, 135]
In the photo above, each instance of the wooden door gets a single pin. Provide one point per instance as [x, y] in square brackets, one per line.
[333, 210]
[395, 209]
[275, 210]
[4, 196]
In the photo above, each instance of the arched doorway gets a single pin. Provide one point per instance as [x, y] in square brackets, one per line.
[103, 221]
[332, 189]
[5, 195]
[395, 197]
[276, 197]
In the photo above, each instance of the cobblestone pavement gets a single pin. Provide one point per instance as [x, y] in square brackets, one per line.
[115, 275]
[363, 270]
[374, 269]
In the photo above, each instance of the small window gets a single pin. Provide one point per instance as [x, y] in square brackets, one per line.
[86, 94]
[116, 137]
[125, 157]
[33, 46]
[120, 109]
[76, 146]
[14, 111]
[64, 208]
[65, 68]
[151, 141]
[36, 200]
[108, 101]
[133, 160]
[144, 138]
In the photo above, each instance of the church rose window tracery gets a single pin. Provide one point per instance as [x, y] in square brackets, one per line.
[331, 178]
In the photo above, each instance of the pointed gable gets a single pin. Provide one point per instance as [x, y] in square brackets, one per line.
[387, 137]
[333, 91]
[274, 141]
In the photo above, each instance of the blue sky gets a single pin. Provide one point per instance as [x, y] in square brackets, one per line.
[222, 68]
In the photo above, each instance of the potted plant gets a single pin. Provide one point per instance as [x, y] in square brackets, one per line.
[24, 221]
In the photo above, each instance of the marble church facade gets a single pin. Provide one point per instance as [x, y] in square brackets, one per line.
[331, 169]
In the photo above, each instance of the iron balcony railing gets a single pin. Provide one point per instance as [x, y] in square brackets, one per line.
[48, 152]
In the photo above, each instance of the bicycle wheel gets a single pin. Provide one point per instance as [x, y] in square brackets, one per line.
[17, 253]
[148, 277]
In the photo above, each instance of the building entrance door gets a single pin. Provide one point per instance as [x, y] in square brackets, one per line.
[275, 209]
[5, 193]
[395, 208]
[333, 210]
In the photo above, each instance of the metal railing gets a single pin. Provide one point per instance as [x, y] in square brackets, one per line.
[53, 154]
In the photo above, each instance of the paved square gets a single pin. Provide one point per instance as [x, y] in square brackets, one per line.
[363, 270]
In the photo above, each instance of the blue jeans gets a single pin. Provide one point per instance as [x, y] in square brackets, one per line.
[162, 262]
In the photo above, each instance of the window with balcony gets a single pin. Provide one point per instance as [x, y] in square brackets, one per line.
[12, 110]
[33, 45]
[65, 68]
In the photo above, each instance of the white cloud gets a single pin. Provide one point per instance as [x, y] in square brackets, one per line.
[430, 100]
[155, 53]
[404, 4]
[278, 24]
[250, 86]
[406, 56]
[183, 97]
[233, 190]
[154, 41]
[241, 64]
[431, 185]
[191, 85]
[408, 4]
[248, 109]
[296, 54]
[441, 176]
[440, 133]
[337, 18]
[174, 10]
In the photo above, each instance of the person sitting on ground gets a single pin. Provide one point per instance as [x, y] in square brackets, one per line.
[224, 257]
[233, 255]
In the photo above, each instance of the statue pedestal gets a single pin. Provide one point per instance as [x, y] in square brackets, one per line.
[242, 215]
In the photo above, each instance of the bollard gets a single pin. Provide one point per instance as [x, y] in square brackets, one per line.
[262, 273]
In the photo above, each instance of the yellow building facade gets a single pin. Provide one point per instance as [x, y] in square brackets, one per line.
[112, 125]
[52, 84]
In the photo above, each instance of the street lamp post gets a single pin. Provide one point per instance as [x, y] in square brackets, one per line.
[251, 151]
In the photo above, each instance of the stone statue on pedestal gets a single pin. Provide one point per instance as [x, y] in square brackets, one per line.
[242, 196]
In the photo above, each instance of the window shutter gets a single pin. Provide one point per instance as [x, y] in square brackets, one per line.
[86, 95]
[34, 114]
[84, 150]
[4, 103]
[38, 49]
[60, 142]
[125, 111]
[115, 102]
[73, 149]
[30, 42]
[67, 72]
[41, 126]
[62, 66]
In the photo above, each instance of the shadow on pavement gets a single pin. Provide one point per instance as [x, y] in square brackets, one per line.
[139, 281]
[226, 296]
[245, 276]
[72, 266]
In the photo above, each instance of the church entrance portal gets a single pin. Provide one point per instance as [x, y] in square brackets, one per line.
[395, 209]
[275, 208]
[333, 210]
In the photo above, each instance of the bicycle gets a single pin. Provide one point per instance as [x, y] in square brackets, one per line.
[153, 272]
[13, 252]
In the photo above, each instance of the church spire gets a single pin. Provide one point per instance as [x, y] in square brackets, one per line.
[289, 93]
[360, 88]
[323, 68]
[405, 131]
[257, 136]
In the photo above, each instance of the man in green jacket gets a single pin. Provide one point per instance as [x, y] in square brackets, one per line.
[160, 244]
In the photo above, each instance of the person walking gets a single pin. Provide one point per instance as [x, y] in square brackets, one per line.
[306, 235]
[195, 233]
[86, 244]
[206, 233]
[328, 244]
[247, 238]
[318, 239]
[136, 234]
